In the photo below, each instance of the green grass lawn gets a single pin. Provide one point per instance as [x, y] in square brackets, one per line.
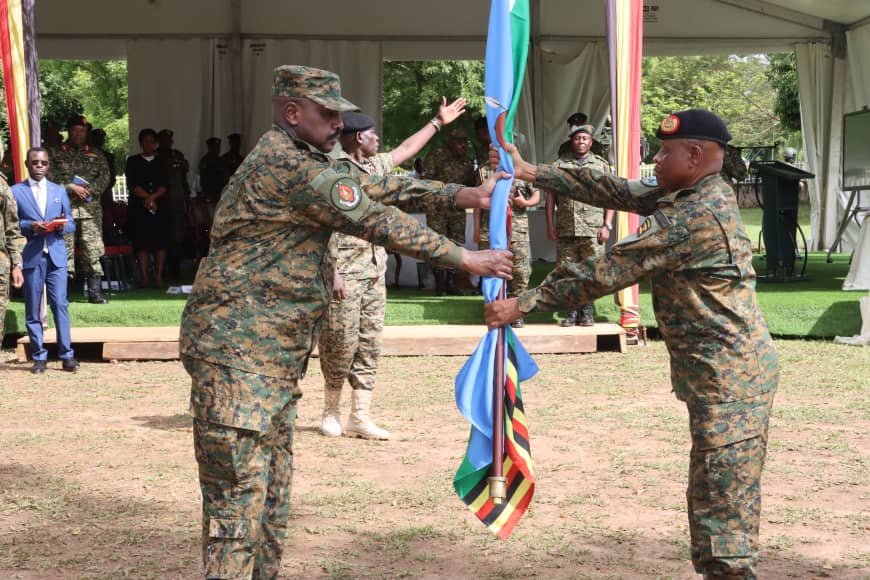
[814, 308]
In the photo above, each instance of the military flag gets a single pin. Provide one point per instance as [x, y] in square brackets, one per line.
[625, 43]
[20, 78]
[488, 386]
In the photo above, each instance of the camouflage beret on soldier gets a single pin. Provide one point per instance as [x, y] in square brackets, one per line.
[321, 86]
[581, 129]
[694, 124]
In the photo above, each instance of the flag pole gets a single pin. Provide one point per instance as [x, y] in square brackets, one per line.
[497, 480]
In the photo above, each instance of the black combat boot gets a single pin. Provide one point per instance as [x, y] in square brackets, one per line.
[94, 296]
[450, 284]
[440, 281]
[587, 315]
[570, 319]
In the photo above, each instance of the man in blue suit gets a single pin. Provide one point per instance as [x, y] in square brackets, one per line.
[42, 207]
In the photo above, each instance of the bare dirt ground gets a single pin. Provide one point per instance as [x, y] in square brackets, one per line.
[98, 480]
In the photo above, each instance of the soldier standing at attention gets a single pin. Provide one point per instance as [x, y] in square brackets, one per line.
[578, 226]
[350, 343]
[449, 164]
[258, 299]
[12, 243]
[523, 196]
[694, 250]
[75, 159]
[177, 195]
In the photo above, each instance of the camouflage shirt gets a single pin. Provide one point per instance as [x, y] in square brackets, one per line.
[87, 163]
[443, 165]
[259, 296]
[358, 259]
[519, 215]
[574, 218]
[695, 252]
[11, 240]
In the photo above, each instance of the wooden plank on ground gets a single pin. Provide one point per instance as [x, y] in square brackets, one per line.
[161, 343]
[140, 350]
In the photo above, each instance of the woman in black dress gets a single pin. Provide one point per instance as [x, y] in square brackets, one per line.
[147, 180]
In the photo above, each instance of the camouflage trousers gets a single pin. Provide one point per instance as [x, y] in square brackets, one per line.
[5, 277]
[350, 340]
[729, 444]
[88, 239]
[522, 259]
[576, 249]
[448, 223]
[245, 476]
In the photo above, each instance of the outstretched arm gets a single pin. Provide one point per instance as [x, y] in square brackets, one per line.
[585, 184]
[413, 144]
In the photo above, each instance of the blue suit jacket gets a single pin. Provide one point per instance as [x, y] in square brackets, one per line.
[57, 205]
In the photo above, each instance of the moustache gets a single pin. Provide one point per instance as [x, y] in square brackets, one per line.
[335, 134]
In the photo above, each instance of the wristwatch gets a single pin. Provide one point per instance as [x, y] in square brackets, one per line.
[609, 226]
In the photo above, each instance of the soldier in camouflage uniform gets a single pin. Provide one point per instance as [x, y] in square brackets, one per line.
[11, 245]
[578, 225]
[258, 300]
[75, 159]
[449, 164]
[350, 343]
[694, 250]
[523, 196]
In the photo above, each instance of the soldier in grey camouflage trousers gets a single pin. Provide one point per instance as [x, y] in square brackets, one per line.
[694, 250]
[350, 342]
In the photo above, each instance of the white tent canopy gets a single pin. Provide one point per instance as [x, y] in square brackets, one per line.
[202, 67]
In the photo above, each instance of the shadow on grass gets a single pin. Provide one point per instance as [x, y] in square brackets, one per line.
[839, 319]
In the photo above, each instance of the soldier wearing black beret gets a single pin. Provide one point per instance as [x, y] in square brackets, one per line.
[694, 250]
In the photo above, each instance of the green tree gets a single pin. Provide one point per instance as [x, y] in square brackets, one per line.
[734, 87]
[413, 90]
[782, 75]
[97, 89]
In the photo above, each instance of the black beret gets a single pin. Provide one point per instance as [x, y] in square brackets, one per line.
[356, 122]
[75, 120]
[165, 133]
[234, 136]
[212, 141]
[694, 124]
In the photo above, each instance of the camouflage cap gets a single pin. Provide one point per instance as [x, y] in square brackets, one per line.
[581, 128]
[321, 86]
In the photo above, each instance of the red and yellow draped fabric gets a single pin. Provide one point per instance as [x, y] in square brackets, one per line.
[625, 41]
[20, 77]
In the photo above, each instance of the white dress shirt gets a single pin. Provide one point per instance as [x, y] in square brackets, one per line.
[40, 194]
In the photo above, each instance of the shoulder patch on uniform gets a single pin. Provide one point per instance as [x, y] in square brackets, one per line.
[343, 193]
[650, 181]
[644, 226]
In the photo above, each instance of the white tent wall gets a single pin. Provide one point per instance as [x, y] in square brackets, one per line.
[353, 38]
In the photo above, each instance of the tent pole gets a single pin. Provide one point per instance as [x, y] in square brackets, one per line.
[236, 55]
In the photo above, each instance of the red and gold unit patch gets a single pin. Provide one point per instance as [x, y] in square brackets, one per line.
[670, 125]
[346, 195]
